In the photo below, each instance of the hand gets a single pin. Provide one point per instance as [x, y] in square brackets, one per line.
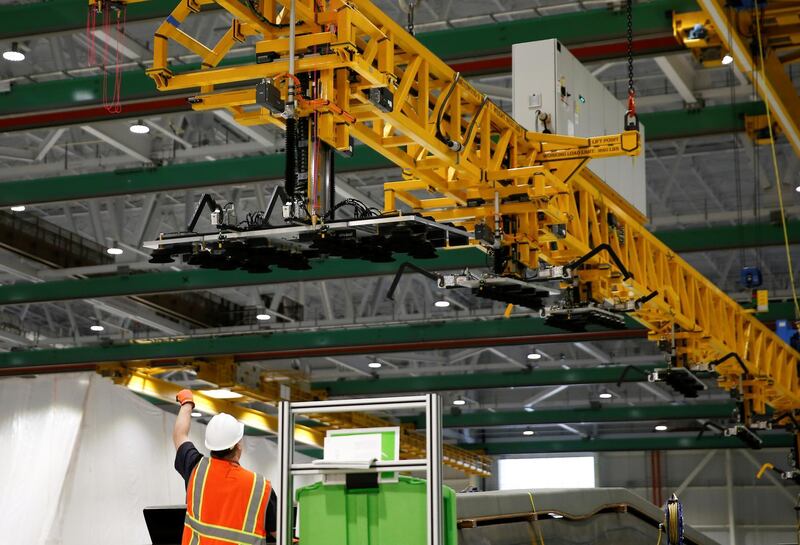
[184, 397]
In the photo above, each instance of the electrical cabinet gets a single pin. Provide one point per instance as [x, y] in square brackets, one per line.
[552, 90]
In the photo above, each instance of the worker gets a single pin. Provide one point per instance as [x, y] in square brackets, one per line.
[225, 503]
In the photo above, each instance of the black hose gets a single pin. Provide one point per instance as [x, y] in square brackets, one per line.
[728, 356]
[291, 157]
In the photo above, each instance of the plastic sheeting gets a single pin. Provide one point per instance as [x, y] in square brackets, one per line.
[81, 457]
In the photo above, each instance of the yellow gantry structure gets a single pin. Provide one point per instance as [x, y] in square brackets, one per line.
[467, 162]
[273, 387]
[769, 32]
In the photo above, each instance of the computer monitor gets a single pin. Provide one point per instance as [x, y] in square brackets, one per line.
[165, 524]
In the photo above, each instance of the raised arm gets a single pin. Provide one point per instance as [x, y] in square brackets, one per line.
[180, 433]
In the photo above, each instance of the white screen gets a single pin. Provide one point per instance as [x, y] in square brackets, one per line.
[539, 473]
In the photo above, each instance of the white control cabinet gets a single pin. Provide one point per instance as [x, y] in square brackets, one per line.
[547, 78]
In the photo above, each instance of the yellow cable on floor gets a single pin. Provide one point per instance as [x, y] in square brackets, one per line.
[777, 171]
[538, 530]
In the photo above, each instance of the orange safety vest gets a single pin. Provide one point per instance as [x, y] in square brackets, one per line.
[225, 505]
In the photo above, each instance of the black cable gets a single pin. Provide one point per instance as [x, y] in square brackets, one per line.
[439, 134]
[474, 120]
[728, 356]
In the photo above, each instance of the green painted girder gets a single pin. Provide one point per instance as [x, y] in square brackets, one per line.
[202, 279]
[477, 381]
[576, 416]
[652, 18]
[751, 235]
[43, 17]
[168, 178]
[486, 419]
[256, 168]
[725, 118]
[663, 442]
[277, 344]
[17, 20]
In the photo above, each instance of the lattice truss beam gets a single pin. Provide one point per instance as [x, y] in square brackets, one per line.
[467, 162]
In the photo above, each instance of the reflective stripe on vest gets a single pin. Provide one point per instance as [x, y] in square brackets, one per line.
[226, 534]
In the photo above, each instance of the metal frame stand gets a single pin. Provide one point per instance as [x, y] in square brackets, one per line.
[431, 464]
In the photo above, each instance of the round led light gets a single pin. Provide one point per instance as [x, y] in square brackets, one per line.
[19, 208]
[14, 56]
[97, 327]
[527, 433]
[196, 414]
[114, 251]
[459, 402]
[442, 304]
[661, 427]
[374, 365]
[605, 395]
[139, 128]
[263, 317]
[727, 59]
[796, 189]
[534, 356]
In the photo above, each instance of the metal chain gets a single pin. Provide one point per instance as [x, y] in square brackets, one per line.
[629, 15]
[411, 5]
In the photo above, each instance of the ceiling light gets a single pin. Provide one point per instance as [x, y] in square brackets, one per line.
[796, 189]
[14, 54]
[114, 249]
[605, 395]
[442, 304]
[139, 128]
[18, 208]
[263, 317]
[527, 433]
[459, 402]
[727, 59]
[661, 427]
[97, 327]
[534, 356]
[222, 393]
[196, 414]
[374, 365]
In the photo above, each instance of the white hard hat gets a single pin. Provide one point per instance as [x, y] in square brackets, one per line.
[223, 432]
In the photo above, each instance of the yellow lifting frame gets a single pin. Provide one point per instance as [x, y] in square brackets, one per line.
[555, 209]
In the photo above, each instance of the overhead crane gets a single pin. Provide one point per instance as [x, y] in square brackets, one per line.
[329, 72]
[762, 39]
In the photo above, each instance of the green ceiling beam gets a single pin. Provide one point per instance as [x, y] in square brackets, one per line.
[686, 123]
[202, 279]
[272, 343]
[477, 381]
[751, 235]
[168, 178]
[250, 169]
[486, 419]
[661, 442]
[462, 43]
[43, 17]
[29, 19]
